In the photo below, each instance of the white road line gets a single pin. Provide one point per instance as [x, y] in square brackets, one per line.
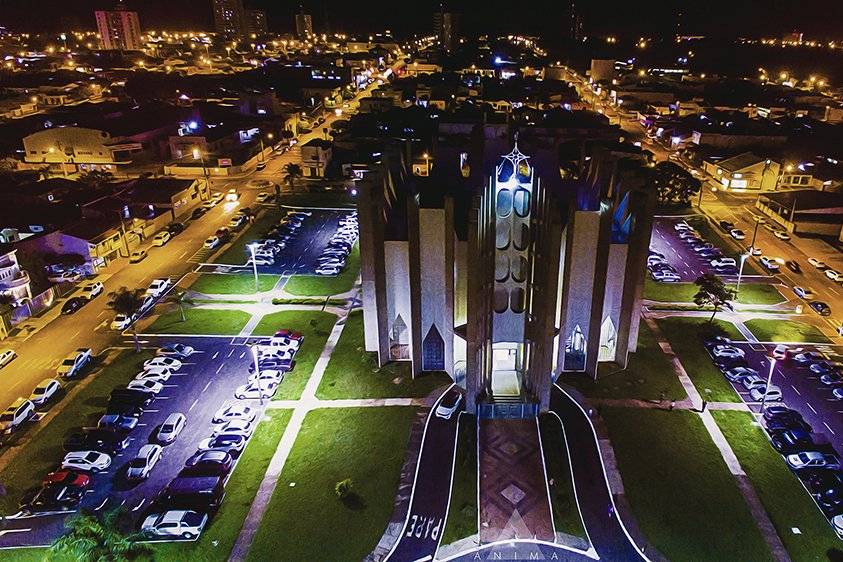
[206, 386]
[220, 368]
[215, 355]
[193, 405]
[141, 425]
[812, 408]
[829, 428]
[137, 507]
[5, 531]
[230, 353]
[242, 355]
[105, 501]
[796, 390]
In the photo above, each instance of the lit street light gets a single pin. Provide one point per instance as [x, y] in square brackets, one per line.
[258, 373]
[197, 155]
[252, 249]
[740, 273]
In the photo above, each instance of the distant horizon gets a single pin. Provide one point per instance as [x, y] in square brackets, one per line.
[721, 18]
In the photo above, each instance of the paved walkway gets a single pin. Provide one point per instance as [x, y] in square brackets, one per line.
[753, 501]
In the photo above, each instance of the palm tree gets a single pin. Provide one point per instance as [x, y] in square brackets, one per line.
[292, 172]
[90, 539]
[181, 299]
[95, 178]
[128, 302]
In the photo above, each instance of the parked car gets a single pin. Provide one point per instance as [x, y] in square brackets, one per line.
[769, 263]
[723, 262]
[175, 228]
[64, 277]
[161, 238]
[177, 350]
[157, 374]
[231, 443]
[7, 356]
[176, 523]
[793, 266]
[203, 493]
[95, 439]
[780, 411]
[803, 292]
[834, 275]
[141, 466]
[170, 429]
[121, 322]
[88, 461]
[146, 385]
[158, 287]
[64, 477]
[819, 264]
[117, 422]
[211, 242]
[820, 308]
[727, 351]
[254, 391]
[753, 250]
[234, 410]
[767, 394]
[328, 270]
[208, 463]
[137, 256]
[263, 197]
[737, 374]
[784, 423]
[781, 351]
[169, 362]
[198, 212]
[91, 290]
[45, 391]
[73, 304]
[781, 235]
[19, 412]
[808, 357]
[131, 396]
[792, 441]
[232, 195]
[660, 276]
[737, 234]
[74, 363]
[813, 459]
[51, 498]
[235, 427]
[448, 405]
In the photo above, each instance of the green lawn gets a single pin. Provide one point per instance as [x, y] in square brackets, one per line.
[354, 373]
[785, 500]
[785, 331]
[237, 253]
[686, 336]
[44, 452]
[233, 283]
[462, 509]
[305, 519]
[682, 495]
[755, 293]
[566, 514]
[324, 285]
[23, 554]
[648, 375]
[219, 537]
[200, 321]
[316, 326]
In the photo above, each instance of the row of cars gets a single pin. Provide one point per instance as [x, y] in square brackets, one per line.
[183, 508]
[91, 450]
[814, 461]
[334, 257]
[707, 251]
[157, 288]
[266, 250]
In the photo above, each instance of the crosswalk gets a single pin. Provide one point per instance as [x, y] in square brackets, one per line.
[201, 255]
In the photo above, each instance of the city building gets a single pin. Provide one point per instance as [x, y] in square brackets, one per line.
[229, 17]
[804, 211]
[746, 171]
[304, 24]
[503, 271]
[256, 22]
[119, 29]
[445, 27]
[315, 156]
[14, 281]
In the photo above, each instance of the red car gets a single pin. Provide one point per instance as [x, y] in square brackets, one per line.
[67, 478]
[289, 334]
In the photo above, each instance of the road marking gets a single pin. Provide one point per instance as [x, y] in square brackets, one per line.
[215, 355]
[219, 368]
[230, 353]
[105, 501]
[193, 405]
[150, 411]
[4, 531]
[242, 355]
[829, 428]
[137, 507]
[206, 386]
[812, 408]
[162, 397]
[141, 425]
[796, 390]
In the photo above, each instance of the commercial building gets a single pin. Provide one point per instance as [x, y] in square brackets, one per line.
[804, 211]
[229, 17]
[746, 171]
[256, 22]
[304, 24]
[119, 29]
[503, 270]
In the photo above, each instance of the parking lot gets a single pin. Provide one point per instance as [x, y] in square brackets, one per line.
[204, 383]
[801, 390]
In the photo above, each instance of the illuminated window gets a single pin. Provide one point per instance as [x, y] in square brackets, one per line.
[504, 203]
[522, 202]
[502, 236]
[522, 236]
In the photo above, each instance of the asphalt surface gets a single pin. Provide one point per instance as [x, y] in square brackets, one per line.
[431, 490]
[204, 383]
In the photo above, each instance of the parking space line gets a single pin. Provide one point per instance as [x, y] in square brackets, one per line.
[193, 405]
[829, 428]
[220, 368]
[206, 386]
[137, 507]
[215, 355]
[812, 408]
[796, 390]
[101, 505]
[230, 352]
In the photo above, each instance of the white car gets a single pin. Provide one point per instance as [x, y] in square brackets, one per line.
[282, 341]
[91, 290]
[727, 352]
[88, 461]
[121, 322]
[174, 524]
[171, 428]
[240, 427]
[179, 350]
[143, 463]
[161, 238]
[232, 195]
[682, 226]
[6, 357]
[665, 276]
[774, 394]
[74, 363]
[803, 292]
[254, 391]
[262, 197]
[753, 251]
[216, 197]
[723, 262]
[45, 391]
[448, 405]
[267, 376]
[737, 234]
[157, 287]
[168, 362]
[769, 263]
[261, 260]
[813, 459]
[234, 411]
[781, 235]
[211, 242]
[146, 385]
[753, 381]
[275, 352]
[327, 270]
[157, 374]
[819, 264]
[837, 522]
[834, 275]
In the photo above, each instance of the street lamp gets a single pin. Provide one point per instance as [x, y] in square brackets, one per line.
[755, 232]
[740, 273]
[258, 373]
[253, 248]
[769, 382]
[197, 155]
[269, 136]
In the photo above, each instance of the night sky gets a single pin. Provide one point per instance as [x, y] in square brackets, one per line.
[753, 18]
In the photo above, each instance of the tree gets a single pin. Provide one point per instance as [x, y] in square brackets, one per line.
[343, 488]
[713, 292]
[181, 299]
[128, 302]
[673, 184]
[90, 539]
[292, 172]
[96, 178]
